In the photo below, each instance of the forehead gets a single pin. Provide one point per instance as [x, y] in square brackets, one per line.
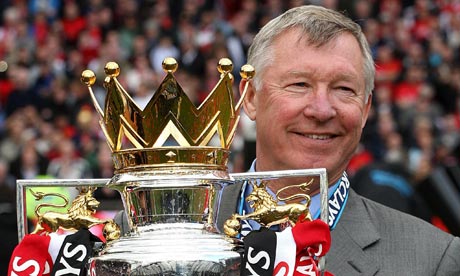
[293, 49]
[300, 38]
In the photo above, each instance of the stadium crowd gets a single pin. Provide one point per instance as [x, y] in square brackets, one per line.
[49, 127]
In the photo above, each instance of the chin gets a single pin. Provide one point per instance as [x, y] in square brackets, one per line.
[312, 162]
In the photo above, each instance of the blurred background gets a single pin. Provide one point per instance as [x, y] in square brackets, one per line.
[409, 154]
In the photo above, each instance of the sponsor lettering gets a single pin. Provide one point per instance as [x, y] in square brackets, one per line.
[17, 267]
[70, 254]
[306, 269]
[281, 269]
[337, 199]
[257, 258]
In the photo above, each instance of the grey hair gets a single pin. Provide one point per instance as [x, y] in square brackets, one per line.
[320, 26]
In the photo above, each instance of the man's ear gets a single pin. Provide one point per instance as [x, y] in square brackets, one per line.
[250, 100]
[367, 108]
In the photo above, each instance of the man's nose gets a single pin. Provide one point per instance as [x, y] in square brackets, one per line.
[319, 105]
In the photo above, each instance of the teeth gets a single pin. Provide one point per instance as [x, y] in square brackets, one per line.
[318, 137]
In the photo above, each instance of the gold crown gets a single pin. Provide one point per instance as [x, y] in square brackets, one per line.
[139, 138]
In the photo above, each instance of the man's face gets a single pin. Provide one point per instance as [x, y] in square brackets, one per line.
[311, 107]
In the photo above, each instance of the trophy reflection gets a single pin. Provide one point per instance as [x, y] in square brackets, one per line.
[170, 163]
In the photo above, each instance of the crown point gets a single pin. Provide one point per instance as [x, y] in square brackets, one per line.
[225, 65]
[247, 71]
[112, 69]
[169, 65]
[88, 77]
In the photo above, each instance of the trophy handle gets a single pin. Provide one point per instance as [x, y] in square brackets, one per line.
[22, 186]
[323, 183]
[321, 173]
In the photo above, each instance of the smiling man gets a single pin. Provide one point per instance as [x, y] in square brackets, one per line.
[310, 100]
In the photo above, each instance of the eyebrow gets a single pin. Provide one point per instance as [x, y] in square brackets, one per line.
[307, 73]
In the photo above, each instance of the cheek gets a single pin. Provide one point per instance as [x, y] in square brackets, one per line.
[275, 115]
[353, 117]
[265, 119]
[352, 124]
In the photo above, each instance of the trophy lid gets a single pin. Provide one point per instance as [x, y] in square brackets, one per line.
[170, 133]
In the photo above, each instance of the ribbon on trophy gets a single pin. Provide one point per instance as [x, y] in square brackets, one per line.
[75, 251]
[45, 252]
[268, 252]
[53, 254]
[31, 257]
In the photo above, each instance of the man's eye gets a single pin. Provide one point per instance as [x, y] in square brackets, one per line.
[297, 87]
[300, 84]
[346, 89]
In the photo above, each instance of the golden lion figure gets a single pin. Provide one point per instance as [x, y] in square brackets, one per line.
[267, 212]
[78, 216]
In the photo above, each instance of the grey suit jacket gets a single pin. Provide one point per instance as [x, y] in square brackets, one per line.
[372, 239]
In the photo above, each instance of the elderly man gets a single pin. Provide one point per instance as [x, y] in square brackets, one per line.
[310, 100]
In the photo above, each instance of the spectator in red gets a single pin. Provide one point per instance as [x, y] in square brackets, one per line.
[388, 67]
[90, 39]
[425, 20]
[407, 91]
[40, 28]
[72, 23]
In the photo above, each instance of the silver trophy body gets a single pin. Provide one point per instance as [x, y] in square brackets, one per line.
[173, 228]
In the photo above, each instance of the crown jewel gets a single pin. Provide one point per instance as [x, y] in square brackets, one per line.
[170, 131]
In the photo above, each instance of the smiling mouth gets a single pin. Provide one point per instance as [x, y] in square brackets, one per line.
[317, 137]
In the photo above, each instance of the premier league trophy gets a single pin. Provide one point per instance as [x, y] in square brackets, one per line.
[170, 162]
[170, 168]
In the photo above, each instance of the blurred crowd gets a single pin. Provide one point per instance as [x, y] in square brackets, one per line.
[49, 128]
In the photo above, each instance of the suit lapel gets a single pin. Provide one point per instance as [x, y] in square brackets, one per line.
[354, 233]
[228, 203]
